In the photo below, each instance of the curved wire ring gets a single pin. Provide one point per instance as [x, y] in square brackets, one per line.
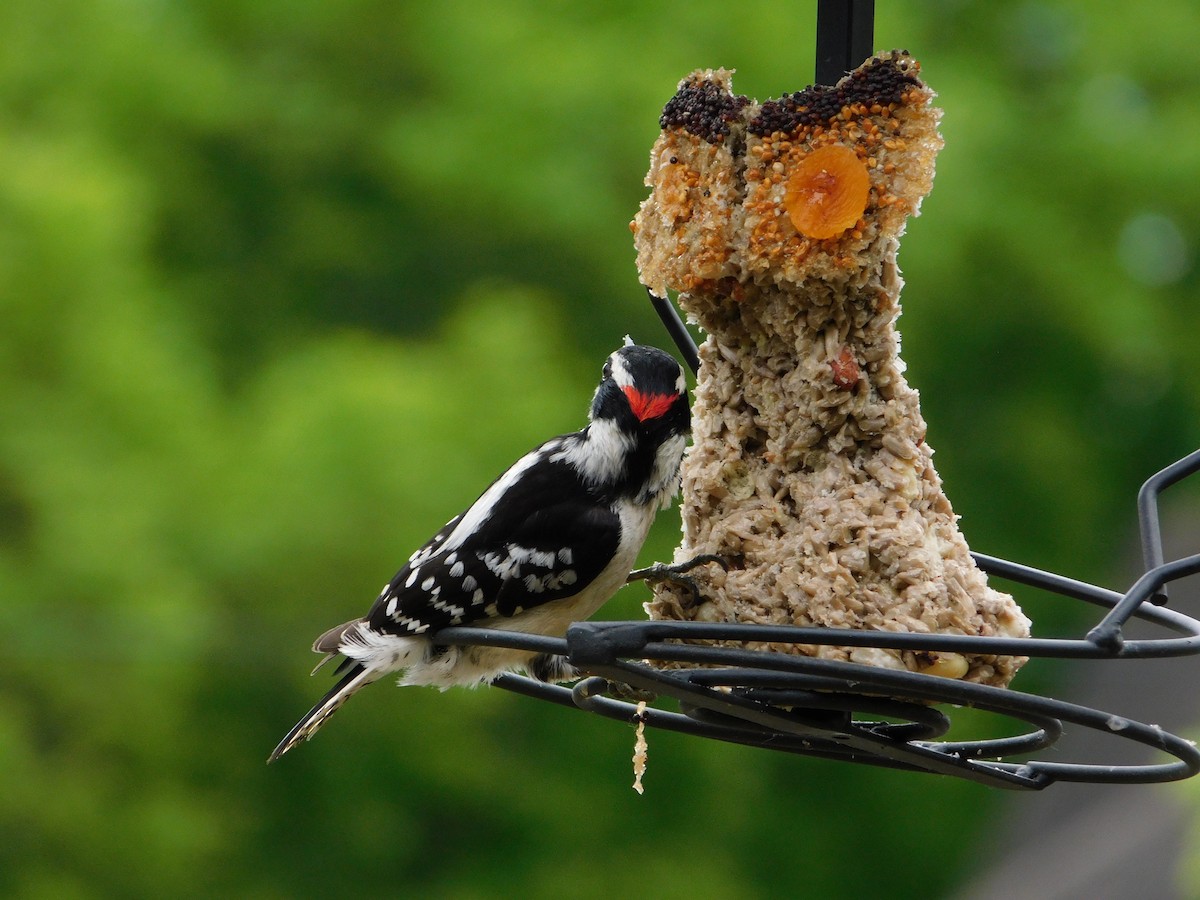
[815, 707]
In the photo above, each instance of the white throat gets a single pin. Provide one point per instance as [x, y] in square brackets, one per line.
[664, 478]
[600, 457]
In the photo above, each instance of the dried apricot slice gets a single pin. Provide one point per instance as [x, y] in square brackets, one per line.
[828, 192]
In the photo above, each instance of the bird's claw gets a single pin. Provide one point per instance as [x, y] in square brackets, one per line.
[674, 572]
[671, 571]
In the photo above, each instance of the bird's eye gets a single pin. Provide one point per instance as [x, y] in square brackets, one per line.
[607, 373]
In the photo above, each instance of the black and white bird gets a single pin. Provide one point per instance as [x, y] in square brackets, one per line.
[546, 545]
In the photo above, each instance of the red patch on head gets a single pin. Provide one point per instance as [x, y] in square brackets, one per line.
[648, 406]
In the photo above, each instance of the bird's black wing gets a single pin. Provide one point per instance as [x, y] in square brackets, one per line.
[542, 537]
[430, 548]
[556, 553]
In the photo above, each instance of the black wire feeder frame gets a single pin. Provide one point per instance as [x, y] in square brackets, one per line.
[829, 708]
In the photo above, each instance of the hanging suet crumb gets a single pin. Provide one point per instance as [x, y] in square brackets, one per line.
[639, 748]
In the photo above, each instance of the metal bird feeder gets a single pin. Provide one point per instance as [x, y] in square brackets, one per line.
[865, 714]
[829, 709]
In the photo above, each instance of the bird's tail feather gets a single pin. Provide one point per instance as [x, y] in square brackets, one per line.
[330, 643]
[356, 677]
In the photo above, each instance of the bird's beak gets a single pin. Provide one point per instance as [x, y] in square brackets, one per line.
[648, 406]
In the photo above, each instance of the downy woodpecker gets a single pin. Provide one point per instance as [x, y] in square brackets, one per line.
[546, 545]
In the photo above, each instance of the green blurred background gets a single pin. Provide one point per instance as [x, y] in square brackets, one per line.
[283, 285]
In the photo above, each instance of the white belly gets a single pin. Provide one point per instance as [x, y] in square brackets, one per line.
[471, 665]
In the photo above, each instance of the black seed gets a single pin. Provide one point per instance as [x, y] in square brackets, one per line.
[703, 108]
[881, 81]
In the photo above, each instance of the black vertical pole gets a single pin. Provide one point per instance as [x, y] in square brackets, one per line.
[676, 329]
[845, 36]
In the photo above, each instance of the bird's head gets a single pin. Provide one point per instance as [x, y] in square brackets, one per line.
[643, 390]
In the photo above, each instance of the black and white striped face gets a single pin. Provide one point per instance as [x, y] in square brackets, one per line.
[642, 381]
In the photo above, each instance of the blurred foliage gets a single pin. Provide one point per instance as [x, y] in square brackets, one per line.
[283, 285]
[1189, 869]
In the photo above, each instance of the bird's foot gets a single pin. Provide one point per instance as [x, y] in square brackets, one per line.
[676, 573]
